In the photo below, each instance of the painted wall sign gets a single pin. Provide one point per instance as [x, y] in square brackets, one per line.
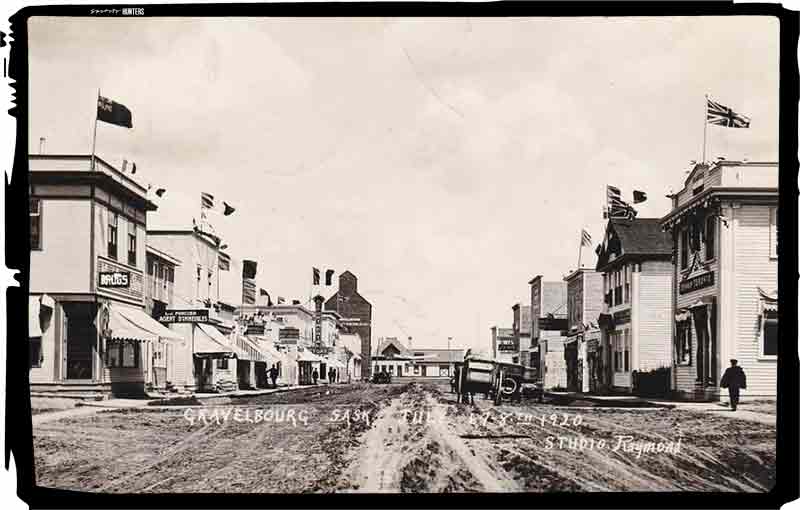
[695, 283]
[183, 316]
[507, 346]
[115, 279]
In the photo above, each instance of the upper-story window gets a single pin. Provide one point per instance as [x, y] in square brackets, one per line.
[35, 212]
[711, 237]
[684, 248]
[627, 289]
[113, 219]
[131, 243]
[773, 232]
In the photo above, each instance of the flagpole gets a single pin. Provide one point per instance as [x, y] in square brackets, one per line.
[705, 130]
[580, 250]
[94, 134]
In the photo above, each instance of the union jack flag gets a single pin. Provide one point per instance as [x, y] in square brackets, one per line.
[720, 115]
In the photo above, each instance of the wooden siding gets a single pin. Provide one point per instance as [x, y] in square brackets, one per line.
[654, 310]
[753, 268]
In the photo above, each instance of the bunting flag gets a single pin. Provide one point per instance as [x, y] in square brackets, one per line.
[720, 115]
[228, 208]
[124, 165]
[315, 275]
[329, 277]
[618, 208]
[639, 196]
[586, 238]
[160, 192]
[206, 201]
[133, 168]
[224, 262]
[599, 249]
[249, 269]
[113, 112]
[281, 300]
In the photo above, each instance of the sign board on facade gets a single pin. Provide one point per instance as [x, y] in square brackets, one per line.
[507, 346]
[115, 279]
[623, 316]
[697, 282]
[552, 324]
[254, 329]
[288, 335]
[183, 316]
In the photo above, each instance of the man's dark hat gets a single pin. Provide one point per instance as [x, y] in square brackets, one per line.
[734, 360]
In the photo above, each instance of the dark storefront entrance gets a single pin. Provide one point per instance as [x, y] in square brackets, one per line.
[80, 339]
[573, 370]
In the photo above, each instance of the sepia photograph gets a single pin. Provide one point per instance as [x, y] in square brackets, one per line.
[375, 254]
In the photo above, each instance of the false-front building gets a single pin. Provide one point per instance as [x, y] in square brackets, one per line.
[725, 234]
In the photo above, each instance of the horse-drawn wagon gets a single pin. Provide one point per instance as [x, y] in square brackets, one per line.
[495, 379]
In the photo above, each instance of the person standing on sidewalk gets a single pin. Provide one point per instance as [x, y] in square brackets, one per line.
[734, 379]
[273, 374]
[315, 375]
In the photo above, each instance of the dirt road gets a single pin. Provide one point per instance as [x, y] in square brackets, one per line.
[413, 438]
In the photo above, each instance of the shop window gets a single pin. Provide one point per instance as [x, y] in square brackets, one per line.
[113, 218]
[627, 350]
[683, 343]
[222, 363]
[159, 355]
[131, 244]
[35, 213]
[36, 352]
[416, 369]
[773, 232]
[711, 237]
[684, 248]
[122, 354]
[769, 336]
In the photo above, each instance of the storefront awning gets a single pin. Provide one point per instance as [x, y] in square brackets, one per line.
[147, 323]
[208, 341]
[309, 357]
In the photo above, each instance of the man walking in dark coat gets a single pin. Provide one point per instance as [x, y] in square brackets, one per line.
[273, 374]
[315, 375]
[734, 379]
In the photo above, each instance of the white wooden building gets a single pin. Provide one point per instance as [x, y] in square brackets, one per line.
[725, 277]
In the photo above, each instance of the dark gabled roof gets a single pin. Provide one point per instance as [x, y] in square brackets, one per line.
[636, 237]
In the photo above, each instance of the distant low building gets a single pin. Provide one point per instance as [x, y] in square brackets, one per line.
[394, 357]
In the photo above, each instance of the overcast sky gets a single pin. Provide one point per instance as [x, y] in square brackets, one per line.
[444, 162]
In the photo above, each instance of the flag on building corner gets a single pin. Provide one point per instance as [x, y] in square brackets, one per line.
[113, 112]
[639, 196]
[206, 200]
[720, 115]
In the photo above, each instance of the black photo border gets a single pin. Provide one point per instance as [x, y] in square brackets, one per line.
[18, 417]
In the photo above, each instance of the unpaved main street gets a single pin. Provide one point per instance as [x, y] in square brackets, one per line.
[401, 438]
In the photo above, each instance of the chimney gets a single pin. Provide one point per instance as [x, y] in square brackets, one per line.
[41, 144]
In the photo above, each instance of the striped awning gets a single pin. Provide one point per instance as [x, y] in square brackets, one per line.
[209, 342]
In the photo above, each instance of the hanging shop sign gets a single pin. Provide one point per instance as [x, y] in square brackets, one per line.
[115, 279]
[183, 316]
[698, 282]
[288, 335]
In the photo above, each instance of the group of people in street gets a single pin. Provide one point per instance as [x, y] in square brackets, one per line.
[333, 375]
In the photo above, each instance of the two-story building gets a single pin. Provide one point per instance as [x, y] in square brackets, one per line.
[584, 305]
[724, 228]
[548, 329]
[89, 332]
[211, 357]
[159, 291]
[521, 326]
[635, 261]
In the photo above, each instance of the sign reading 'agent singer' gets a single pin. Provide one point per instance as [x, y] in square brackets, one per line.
[183, 316]
[698, 282]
